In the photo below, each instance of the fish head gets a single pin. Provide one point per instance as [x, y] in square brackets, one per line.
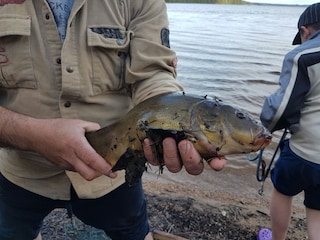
[243, 131]
[225, 130]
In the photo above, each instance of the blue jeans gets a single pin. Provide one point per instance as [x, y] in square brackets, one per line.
[121, 214]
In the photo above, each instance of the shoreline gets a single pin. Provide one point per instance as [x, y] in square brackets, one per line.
[211, 206]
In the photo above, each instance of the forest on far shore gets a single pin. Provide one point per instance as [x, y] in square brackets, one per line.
[209, 1]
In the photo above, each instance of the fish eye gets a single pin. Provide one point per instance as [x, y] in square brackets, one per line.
[240, 115]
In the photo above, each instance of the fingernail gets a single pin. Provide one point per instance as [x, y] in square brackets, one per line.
[186, 147]
[112, 174]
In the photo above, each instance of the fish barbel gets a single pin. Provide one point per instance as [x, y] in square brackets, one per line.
[215, 129]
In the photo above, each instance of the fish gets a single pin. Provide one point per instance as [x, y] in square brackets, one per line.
[215, 128]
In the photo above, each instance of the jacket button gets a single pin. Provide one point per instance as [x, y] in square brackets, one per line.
[67, 104]
[47, 16]
[69, 69]
[58, 60]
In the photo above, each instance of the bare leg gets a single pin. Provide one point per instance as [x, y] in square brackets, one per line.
[148, 237]
[39, 237]
[313, 223]
[280, 212]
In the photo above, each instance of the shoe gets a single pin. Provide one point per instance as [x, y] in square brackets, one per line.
[265, 234]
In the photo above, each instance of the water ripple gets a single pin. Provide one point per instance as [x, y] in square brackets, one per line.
[233, 52]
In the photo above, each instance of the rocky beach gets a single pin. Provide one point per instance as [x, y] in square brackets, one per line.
[221, 205]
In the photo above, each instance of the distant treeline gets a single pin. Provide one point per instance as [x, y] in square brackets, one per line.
[208, 1]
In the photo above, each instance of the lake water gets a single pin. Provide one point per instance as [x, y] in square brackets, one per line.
[234, 52]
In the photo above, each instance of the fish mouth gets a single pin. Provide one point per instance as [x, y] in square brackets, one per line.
[262, 140]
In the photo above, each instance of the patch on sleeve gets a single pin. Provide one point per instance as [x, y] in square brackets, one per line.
[165, 37]
[5, 2]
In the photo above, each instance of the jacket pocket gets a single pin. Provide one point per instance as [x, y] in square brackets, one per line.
[16, 67]
[108, 48]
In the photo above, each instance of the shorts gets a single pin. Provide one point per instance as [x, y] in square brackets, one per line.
[122, 213]
[293, 174]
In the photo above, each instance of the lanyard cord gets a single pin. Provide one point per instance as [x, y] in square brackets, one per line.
[261, 172]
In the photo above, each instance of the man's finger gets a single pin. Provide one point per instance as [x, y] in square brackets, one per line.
[218, 163]
[94, 164]
[171, 156]
[149, 152]
[191, 159]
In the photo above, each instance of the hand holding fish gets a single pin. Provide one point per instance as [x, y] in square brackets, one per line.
[184, 154]
[60, 141]
[63, 143]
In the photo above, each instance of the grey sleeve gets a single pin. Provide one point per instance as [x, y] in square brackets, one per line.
[283, 108]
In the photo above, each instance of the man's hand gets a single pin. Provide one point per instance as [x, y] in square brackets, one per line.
[190, 158]
[62, 141]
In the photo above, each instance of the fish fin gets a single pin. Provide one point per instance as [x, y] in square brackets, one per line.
[134, 163]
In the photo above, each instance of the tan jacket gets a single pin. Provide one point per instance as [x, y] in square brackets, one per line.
[115, 55]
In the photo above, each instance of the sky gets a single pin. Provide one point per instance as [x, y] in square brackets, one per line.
[301, 2]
